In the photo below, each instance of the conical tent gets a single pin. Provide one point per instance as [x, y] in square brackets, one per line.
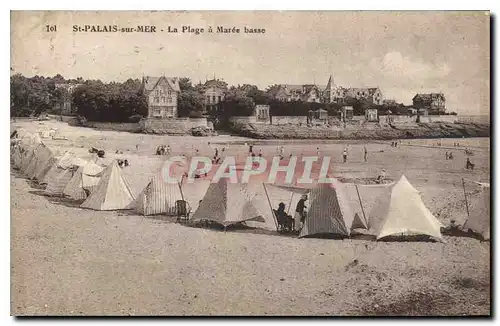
[329, 212]
[479, 212]
[227, 203]
[74, 189]
[91, 175]
[112, 192]
[40, 163]
[57, 184]
[158, 197]
[402, 212]
[44, 165]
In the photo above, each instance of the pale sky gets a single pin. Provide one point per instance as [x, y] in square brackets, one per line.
[403, 53]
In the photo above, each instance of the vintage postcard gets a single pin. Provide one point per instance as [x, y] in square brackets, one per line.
[250, 163]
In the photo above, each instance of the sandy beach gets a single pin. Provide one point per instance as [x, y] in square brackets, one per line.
[70, 261]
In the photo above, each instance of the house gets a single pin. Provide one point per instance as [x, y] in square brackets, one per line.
[389, 102]
[435, 103]
[162, 94]
[372, 94]
[340, 95]
[214, 91]
[305, 93]
[64, 105]
[371, 115]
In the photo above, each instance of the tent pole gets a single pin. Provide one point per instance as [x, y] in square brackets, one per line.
[270, 205]
[361, 204]
[465, 195]
[290, 203]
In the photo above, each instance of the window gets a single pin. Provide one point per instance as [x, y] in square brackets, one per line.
[163, 99]
[157, 112]
[169, 99]
[170, 111]
[157, 99]
[169, 93]
[220, 99]
[157, 92]
[208, 99]
[213, 99]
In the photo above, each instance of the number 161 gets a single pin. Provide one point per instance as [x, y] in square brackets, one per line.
[51, 28]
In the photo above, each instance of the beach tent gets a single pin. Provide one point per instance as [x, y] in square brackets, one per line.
[287, 194]
[112, 193]
[329, 212]
[86, 178]
[158, 197]
[479, 212]
[40, 162]
[63, 162]
[56, 185]
[227, 203]
[60, 163]
[44, 165]
[400, 211]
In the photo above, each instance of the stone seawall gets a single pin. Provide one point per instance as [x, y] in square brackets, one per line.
[172, 126]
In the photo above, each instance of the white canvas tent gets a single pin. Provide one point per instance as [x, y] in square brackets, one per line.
[227, 203]
[479, 212]
[401, 212]
[330, 212]
[84, 180]
[158, 197]
[112, 193]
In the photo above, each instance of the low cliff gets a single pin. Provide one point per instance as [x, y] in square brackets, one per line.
[421, 130]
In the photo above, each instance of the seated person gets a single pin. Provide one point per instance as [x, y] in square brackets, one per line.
[285, 221]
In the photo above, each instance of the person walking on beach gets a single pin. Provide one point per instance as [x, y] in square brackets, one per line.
[366, 152]
[344, 155]
[446, 154]
[260, 152]
[168, 149]
[282, 152]
[317, 152]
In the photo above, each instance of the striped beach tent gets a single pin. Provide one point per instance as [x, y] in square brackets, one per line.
[330, 212]
[227, 203]
[158, 197]
[400, 211]
[112, 193]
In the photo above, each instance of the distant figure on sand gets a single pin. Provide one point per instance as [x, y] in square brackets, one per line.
[366, 152]
[469, 165]
[282, 152]
[168, 150]
[260, 152]
[250, 149]
[446, 155]
[317, 151]
[300, 213]
[381, 176]
[344, 155]
[450, 156]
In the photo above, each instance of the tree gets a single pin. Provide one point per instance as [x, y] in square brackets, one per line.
[236, 103]
[189, 102]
